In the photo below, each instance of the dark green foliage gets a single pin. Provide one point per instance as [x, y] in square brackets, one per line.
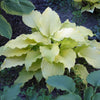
[17, 7]
[14, 7]
[88, 93]
[10, 93]
[69, 97]
[62, 82]
[5, 28]
[94, 78]
[96, 96]
[78, 18]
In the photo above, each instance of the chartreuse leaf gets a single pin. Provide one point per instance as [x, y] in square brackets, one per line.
[11, 93]
[68, 43]
[49, 52]
[5, 28]
[70, 96]
[31, 57]
[49, 22]
[50, 69]
[24, 76]
[81, 72]
[88, 8]
[94, 78]
[68, 24]
[88, 93]
[32, 19]
[96, 96]
[35, 66]
[8, 52]
[62, 82]
[38, 75]
[93, 1]
[13, 62]
[21, 42]
[17, 7]
[97, 5]
[92, 56]
[67, 57]
[39, 38]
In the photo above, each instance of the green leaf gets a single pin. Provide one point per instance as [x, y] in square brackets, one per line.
[24, 76]
[67, 57]
[13, 62]
[17, 7]
[11, 93]
[88, 8]
[38, 75]
[49, 52]
[69, 97]
[96, 96]
[88, 93]
[62, 82]
[94, 78]
[5, 28]
[31, 57]
[68, 43]
[81, 72]
[50, 69]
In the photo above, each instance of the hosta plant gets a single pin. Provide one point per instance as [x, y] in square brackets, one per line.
[88, 5]
[52, 47]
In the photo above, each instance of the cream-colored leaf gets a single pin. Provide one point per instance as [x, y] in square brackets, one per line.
[8, 52]
[20, 42]
[87, 32]
[68, 33]
[13, 62]
[31, 57]
[49, 52]
[35, 66]
[32, 19]
[24, 76]
[50, 69]
[50, 22]
[39, 38]
[81, 71]
[95, 44]
[67, 57]
[92, 56]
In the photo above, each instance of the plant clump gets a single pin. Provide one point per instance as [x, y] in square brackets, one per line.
[50, 48]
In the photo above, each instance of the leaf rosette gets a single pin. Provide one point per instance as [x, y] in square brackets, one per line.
[53, 46]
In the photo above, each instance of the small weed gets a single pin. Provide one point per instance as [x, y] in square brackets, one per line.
[78, 18]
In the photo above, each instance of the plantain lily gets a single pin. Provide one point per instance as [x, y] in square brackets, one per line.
[53, 47]
[90, 5]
